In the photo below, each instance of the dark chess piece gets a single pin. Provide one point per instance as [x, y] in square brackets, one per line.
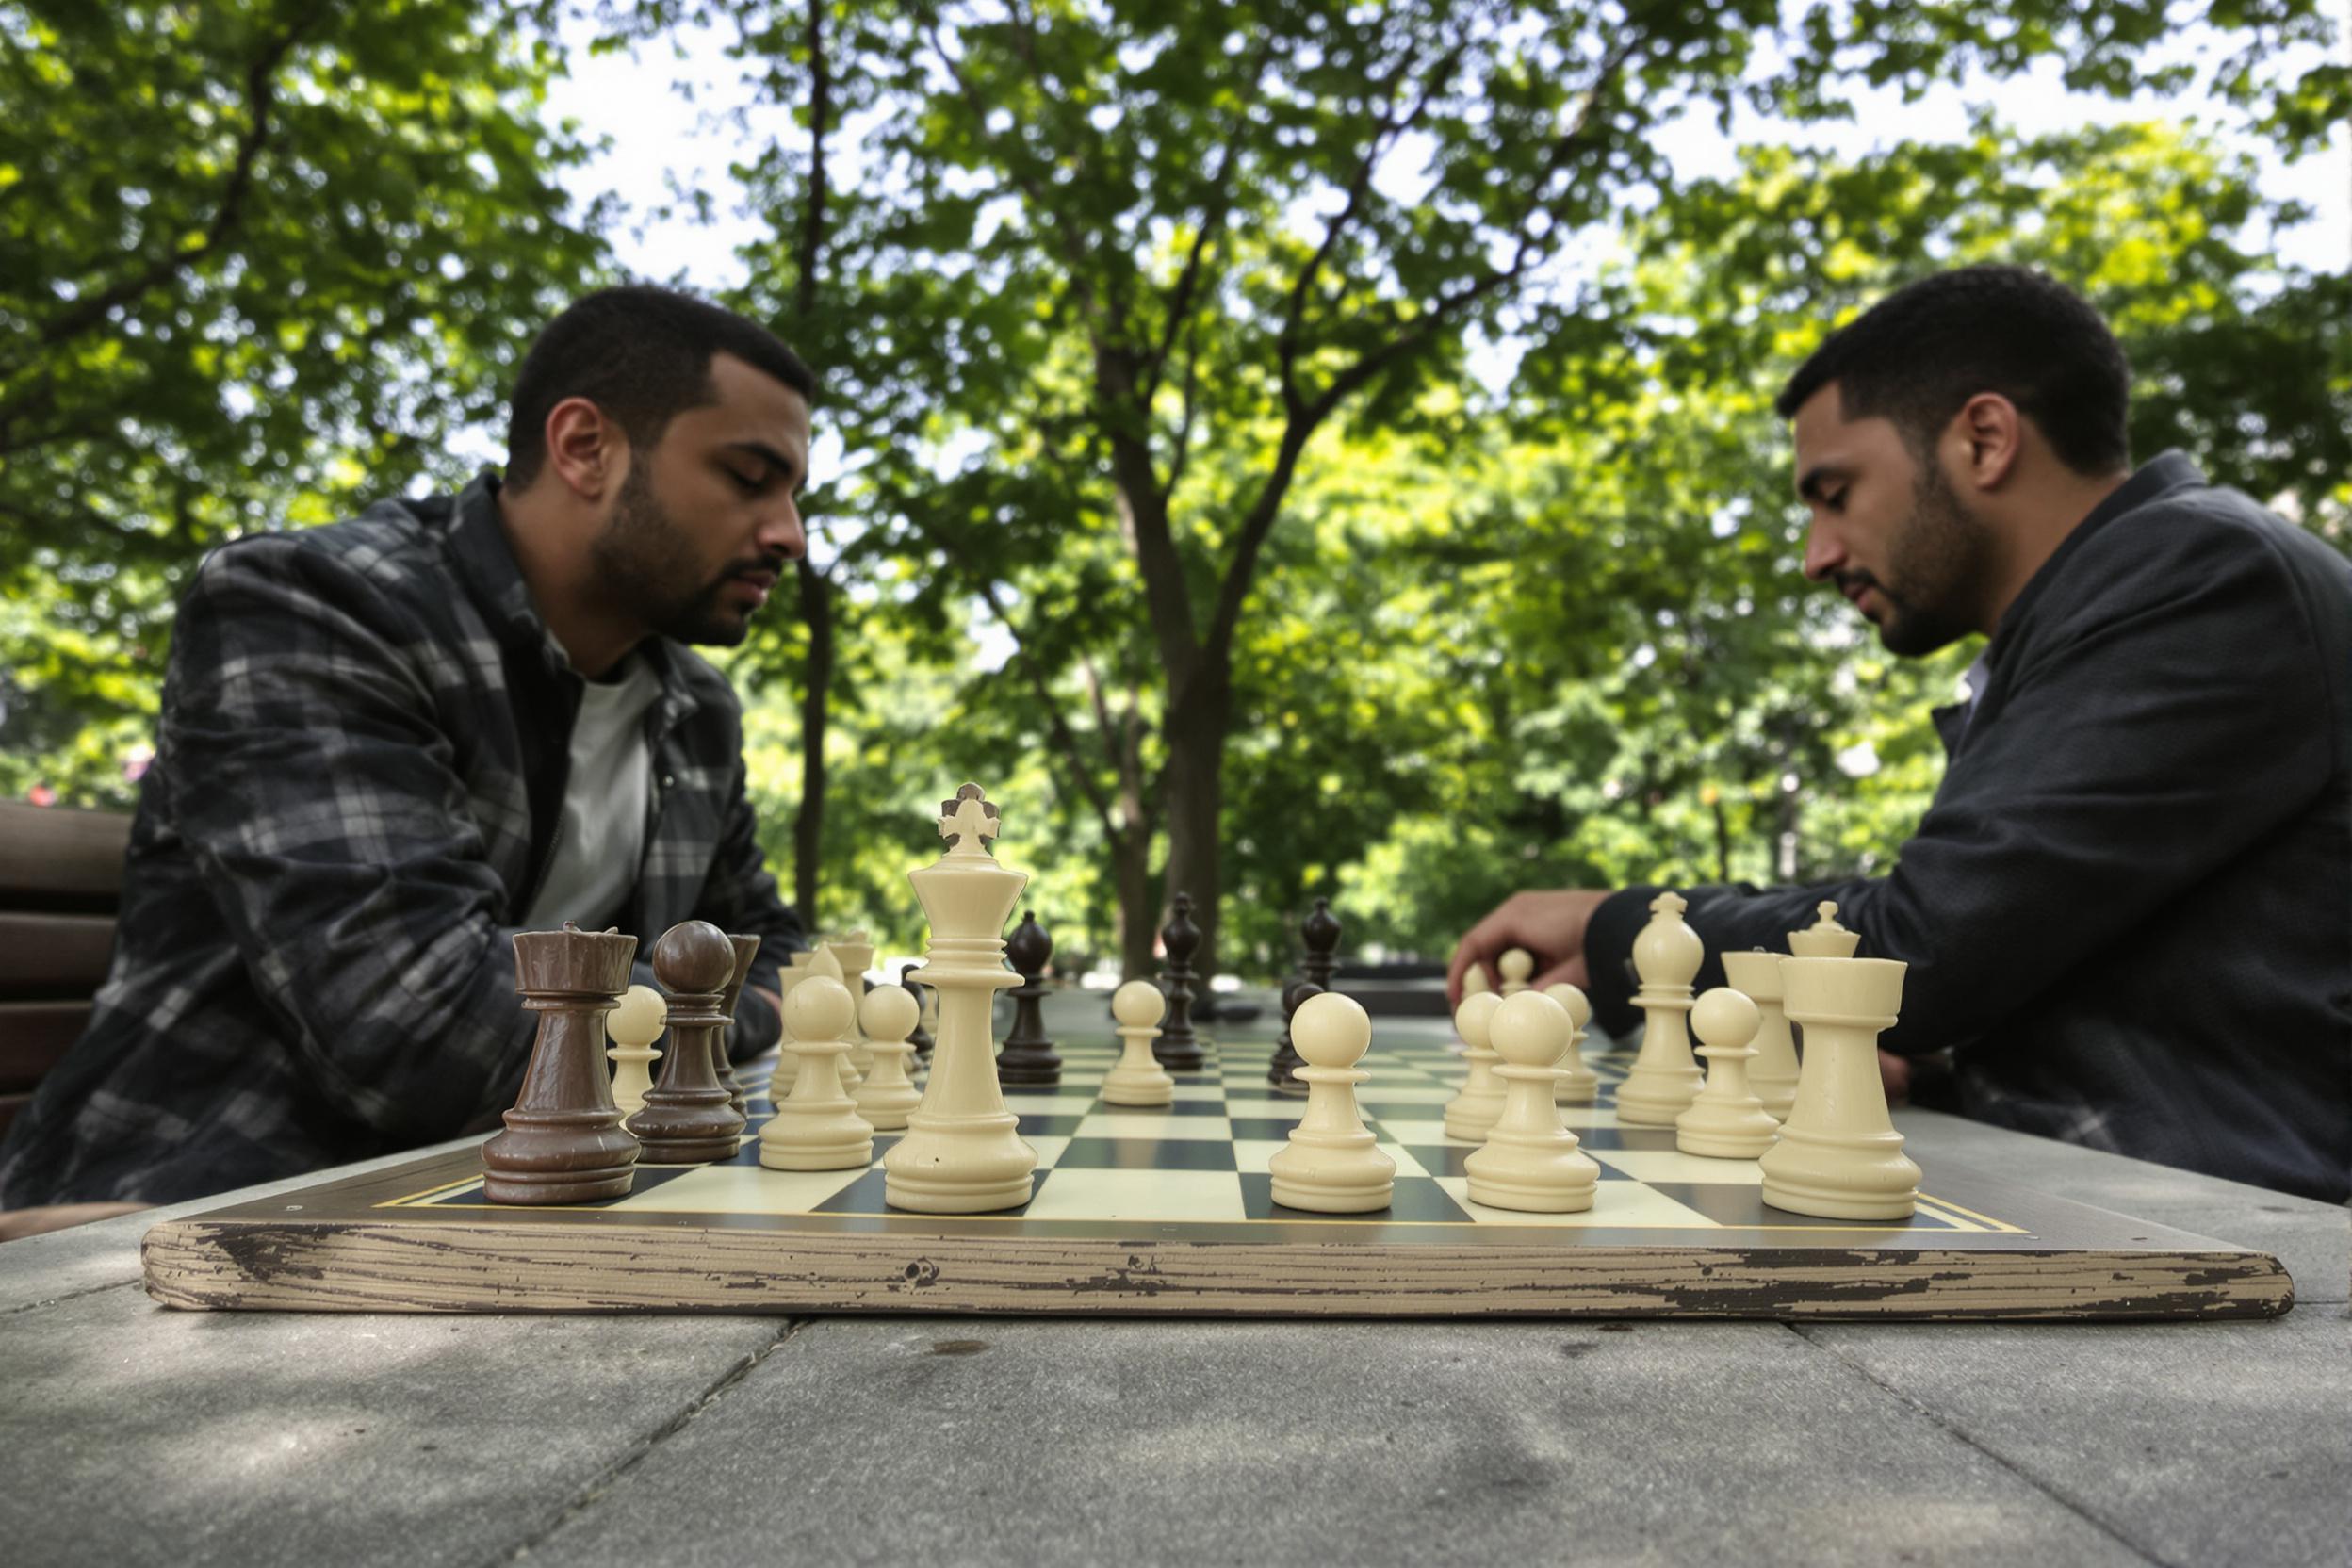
[1028, 1057]
[1178, 1048]
[1278, 1072]
[1320, 932]
[921, 1038]
[746, 949]
[563, 1141]
[687, 1117]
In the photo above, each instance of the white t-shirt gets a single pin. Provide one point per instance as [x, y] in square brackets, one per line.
[600, 837]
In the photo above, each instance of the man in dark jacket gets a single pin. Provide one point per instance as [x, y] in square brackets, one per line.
[388, 744]
[2127, 914]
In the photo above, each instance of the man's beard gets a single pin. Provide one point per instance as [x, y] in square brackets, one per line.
[643, 565]
[1935, 564]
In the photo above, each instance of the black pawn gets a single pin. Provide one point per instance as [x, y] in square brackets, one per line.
[921, 1038]
[1286, 1057]
[1028, 1056]
[1321, 934]
[1178, 1048]
[688, 1117]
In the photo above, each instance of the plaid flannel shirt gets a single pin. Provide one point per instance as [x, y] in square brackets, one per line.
[360, 763]
[2128, 911]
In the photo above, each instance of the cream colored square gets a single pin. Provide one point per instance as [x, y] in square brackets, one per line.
[1586, 1115]
[1427, 1132]
[1153, 1124]
[1405, 1094]
[1037, 1104]
[1049, 1150]
[1201, 1196]
[1252, 1154]
[1199, 1092]
[1617, 1205]
[742, 1190]
[1264, 1108]
[1673, 1164]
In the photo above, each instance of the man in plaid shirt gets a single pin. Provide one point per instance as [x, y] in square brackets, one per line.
[2127, 914]
[388, 744]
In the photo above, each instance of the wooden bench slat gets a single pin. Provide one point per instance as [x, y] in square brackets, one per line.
[54, 858]
[50, 956]
[34, 1037]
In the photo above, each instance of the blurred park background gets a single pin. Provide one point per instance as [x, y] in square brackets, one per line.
[1281, 449]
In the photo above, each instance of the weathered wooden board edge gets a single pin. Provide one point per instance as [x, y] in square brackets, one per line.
[367, 1266]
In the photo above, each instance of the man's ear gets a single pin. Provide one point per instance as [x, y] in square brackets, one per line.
[586, 450]
[1986, 439]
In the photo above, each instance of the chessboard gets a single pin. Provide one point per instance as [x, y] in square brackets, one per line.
[1169, 1212]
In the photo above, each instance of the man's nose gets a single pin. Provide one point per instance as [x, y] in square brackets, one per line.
[781, 534]
[1823, 554]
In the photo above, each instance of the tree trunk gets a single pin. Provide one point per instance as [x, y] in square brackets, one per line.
[1193, 801]
[816, 609]
[816, 590]
[1138, 909]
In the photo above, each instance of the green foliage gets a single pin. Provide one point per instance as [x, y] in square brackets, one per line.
[258, 260]
[1172, 353]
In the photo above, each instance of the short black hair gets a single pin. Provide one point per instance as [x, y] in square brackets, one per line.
[643, 355]
[1921, 353]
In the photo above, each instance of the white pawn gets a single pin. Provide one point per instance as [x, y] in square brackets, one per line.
[634, 1025]
[827, 964]
[1138, 1079]
[1470, 1113]
[1727, 1121]
[1333, 1164]
[1578, 1084]
[819, 1127]
[888, 1015]
[1516, 963]
[1530, 1162]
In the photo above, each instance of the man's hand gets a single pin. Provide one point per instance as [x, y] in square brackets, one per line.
[1894, 1072]
[1550, 925]
[773, 1000]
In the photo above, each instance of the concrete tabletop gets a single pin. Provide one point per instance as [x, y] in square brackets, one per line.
[136, 1434]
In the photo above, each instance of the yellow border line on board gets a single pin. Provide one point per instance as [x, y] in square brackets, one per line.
[1986, 1220]
[417, 1201]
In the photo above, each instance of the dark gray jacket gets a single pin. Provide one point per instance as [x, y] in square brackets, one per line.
[2129, 912]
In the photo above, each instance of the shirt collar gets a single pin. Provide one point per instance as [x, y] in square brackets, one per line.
[485, 565]
[2159, 475]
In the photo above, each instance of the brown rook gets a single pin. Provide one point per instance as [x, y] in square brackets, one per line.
[563, 1142]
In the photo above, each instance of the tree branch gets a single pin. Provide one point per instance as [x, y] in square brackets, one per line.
[1215, 209]
[820, 121]
[1064, 736]
[1183, 427]
[1070, 233]
[1167, 594]
[1384, 134]
[261, 93]
[1233, 590]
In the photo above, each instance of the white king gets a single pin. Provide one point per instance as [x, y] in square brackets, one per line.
[961, 1154]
